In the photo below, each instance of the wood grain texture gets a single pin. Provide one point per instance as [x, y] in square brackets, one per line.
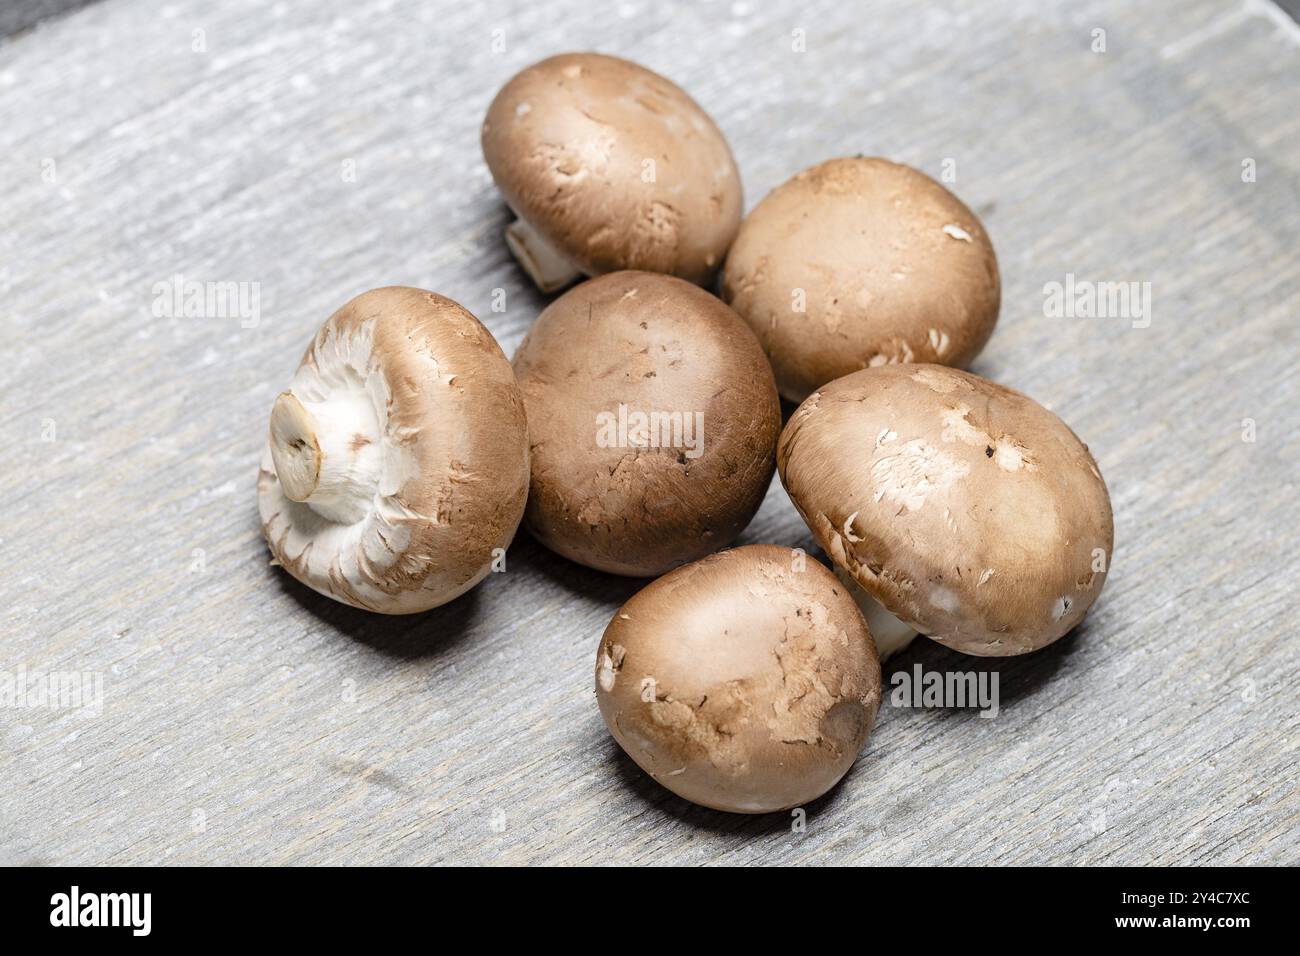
[246, 719]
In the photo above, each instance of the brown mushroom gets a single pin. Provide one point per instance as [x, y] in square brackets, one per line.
[862, 262]
[609, 166]
[745, 682]
[653, 419]
[966, 509]
[397, 464]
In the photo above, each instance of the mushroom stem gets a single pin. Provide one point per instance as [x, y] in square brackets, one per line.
[890, 634]
[546, 266]
[327, 453]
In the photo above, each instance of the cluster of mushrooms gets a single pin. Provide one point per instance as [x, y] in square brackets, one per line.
[407, 448]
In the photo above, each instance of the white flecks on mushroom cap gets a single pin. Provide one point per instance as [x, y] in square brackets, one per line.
[612, 167]
[745, 681]
[889, 267]
[984, 523]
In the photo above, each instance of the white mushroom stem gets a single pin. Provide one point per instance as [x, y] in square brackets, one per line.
[546, 266]
[891, 635]
[327, 453]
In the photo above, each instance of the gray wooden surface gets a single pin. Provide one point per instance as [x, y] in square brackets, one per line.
[245, 719]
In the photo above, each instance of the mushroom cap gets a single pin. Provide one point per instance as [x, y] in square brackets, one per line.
[862, 262]
[640, 502]
[615, 166]
[746, 682]
[449, 446]
[968, 510]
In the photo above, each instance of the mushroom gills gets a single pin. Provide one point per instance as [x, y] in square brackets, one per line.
[549, 268]
[890, 634]
[328, 453]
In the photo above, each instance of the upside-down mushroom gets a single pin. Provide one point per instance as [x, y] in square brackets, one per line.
[397, 464]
